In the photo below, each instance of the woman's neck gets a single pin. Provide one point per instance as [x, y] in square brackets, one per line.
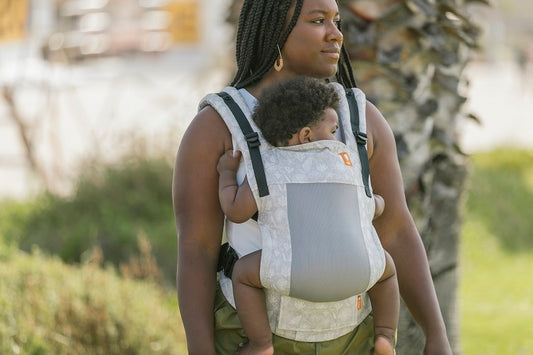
[270, 78]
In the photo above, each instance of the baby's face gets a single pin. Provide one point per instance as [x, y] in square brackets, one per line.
[326, 127]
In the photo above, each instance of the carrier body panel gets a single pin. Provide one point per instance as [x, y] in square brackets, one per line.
[320, 252]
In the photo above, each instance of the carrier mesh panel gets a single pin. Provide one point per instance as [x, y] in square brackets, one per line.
[327, 244]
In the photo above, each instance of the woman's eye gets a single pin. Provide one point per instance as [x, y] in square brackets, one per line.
[318, 21]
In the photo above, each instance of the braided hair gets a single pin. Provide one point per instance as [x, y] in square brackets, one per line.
[261, 30]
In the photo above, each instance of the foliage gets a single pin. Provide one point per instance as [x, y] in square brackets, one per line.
[49, 307]
[496, 289]
[113, 207]
[500, 192]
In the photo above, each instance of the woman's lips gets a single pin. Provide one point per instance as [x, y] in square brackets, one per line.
[332, 54]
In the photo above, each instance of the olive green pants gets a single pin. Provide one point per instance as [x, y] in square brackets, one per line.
[229, 334]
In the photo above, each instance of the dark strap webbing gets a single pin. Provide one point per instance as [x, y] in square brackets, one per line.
[360, 138]
[252, 138]
[227, 257]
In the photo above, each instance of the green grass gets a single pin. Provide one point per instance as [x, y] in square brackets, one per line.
[496, 286]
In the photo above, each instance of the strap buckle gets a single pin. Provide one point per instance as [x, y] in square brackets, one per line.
[252, 139]
[360, 138]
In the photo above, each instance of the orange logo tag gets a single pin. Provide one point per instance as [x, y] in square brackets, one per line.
[359, 303]
[346, 158]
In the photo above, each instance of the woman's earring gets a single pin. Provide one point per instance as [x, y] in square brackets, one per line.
[278, 64]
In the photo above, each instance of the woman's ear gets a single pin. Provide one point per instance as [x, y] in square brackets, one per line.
[304, 135]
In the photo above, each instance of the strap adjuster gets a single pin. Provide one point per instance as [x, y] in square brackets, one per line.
[360, 138]
[252, 139]
[226, 259]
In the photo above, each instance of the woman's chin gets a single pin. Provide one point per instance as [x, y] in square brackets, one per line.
[325, 74]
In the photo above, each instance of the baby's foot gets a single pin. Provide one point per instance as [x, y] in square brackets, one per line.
[249, 349]
[382, 346]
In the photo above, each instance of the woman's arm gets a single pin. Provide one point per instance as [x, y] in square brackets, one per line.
[399, 236]
[199, 222]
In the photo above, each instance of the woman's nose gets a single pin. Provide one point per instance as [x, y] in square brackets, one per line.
[334, 33]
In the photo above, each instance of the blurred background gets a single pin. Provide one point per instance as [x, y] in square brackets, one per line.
[88, 78]
[95, 95]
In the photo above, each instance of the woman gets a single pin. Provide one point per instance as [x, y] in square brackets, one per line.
[278, 40]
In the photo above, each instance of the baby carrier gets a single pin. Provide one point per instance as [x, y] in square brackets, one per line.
[320, 252]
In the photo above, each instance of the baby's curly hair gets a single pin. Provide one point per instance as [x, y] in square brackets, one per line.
[289, 105]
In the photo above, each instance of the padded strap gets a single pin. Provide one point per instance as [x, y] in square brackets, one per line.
[361, 139]
[252, 138]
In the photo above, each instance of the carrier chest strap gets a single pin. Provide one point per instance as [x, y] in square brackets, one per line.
[361, 139]
[252, 139]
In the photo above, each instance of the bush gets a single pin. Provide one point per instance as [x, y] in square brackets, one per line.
[49, 307]
[112, 206]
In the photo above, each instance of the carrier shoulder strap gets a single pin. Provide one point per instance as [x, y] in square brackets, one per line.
[252, 139]
[361, 139]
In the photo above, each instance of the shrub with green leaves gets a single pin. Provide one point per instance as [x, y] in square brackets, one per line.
[111, 207]
[49, 307]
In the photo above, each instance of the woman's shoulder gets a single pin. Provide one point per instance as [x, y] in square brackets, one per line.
[378, 129]
[208, 128]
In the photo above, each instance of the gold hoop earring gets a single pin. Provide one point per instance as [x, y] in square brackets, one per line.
[278, 64]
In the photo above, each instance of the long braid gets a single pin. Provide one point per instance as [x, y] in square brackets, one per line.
[240, 30]
[268, 42]
[268, 16]
[344, 71]
[244, 36]
[297, 10]
[256, 48]
[260, 32]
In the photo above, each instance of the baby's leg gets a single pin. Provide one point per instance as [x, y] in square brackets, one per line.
[250, 303]
[385, 299]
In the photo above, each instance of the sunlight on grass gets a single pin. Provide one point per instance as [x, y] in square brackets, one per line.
[496, 286]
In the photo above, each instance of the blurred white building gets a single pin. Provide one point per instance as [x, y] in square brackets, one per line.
[85, 79]
[75, 30]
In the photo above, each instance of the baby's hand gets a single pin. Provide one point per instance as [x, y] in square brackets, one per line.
[380, 205]
[228, 161]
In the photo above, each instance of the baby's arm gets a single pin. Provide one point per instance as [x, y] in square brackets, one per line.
[237, 202]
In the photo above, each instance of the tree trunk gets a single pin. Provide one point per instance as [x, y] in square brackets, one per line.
[408, 56]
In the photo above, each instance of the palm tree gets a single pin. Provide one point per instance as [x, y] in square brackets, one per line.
[408, 57]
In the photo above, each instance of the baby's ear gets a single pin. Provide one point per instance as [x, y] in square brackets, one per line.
[304, 135]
